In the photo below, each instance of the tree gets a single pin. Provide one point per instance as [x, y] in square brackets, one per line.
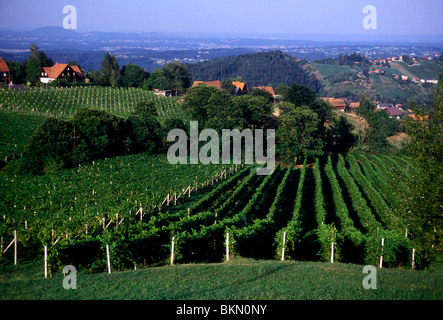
[263, 93]
[281, 90]
[133, 75]
[146, 130]
[115, 80]
[298, 135]
[109, 65]
[222, 113]
[177, 76]
[255, 109]
[300, 95]
[156, 80]
[196, 101]
[37, 59]
[18, 72]
[424, 199]
[99, 133]
[50, 146]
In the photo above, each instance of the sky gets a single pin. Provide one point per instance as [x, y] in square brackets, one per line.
[229, 16]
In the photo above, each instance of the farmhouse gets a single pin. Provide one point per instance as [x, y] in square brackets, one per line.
[354, 105]
[5, 74]
[418, 117]
[383, 105]
[267, 89]
[339, 104]
[240, 87]
[215, 83]
[59, 71]
[393, 112]
[165, 93]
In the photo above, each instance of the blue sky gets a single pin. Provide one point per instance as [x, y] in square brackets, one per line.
[231, 16]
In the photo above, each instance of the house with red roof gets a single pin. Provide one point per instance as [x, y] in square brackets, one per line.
[240, 87]
[5, 73]
[59, 71]
[215, 83]
[393, 112]
[338, 104]
[270, 90]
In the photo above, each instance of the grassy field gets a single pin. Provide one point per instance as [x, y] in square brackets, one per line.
[426, 69]
[15, 130]
[328, 69]
[242, 279]
[21, 111]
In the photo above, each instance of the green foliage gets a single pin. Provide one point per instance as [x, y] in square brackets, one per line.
[146, 130]
[257, 69]
[133, 75]
[423, 202]
[36, 61]
[99, 134]
[50, 147]
[299, 134]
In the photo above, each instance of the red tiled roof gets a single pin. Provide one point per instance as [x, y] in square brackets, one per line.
[393, 111]
[215, 83]
[56, 70]
[338, 103]
[3, 66]
[421, 118]
[268, 89]
[240, 85]
[77, 70]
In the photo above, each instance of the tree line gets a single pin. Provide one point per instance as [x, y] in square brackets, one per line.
[304, 123]
[257, 69]
[171, 76]
[98, 135]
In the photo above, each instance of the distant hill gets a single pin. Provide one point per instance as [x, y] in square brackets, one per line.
[257, 69]
[380, 81]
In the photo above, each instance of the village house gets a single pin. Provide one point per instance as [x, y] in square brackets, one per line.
[383, 105]
[393, 112]
[267, 89]
[338, 104]
[5, 74]
[354, 105]
[215, 83]
[241, 87]
[165, 93]
[377, 71]
[59, 71]
[418, 117]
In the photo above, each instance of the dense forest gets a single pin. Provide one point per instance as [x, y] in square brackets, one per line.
[258, 69]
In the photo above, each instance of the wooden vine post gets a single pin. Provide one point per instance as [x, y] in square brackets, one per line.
[227, 247]
[108, 258]
[381, 256]
[172, 251]
[283, 247]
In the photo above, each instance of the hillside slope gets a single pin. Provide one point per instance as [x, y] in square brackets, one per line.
[257, 69]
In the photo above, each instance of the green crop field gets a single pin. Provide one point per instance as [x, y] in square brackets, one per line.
[65, 101]
[328, 69]
[346, 201]
[21, 111]
[224, 218]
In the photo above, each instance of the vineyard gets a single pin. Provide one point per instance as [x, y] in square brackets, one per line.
[65, 101]
[152, 213]
[21, 111]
